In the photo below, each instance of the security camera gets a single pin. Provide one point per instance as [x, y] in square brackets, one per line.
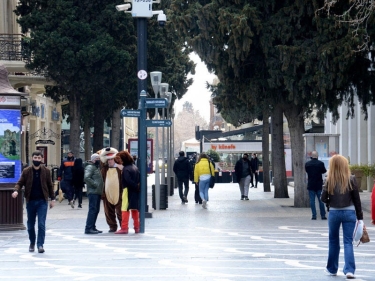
[123, 7]
[162, 18]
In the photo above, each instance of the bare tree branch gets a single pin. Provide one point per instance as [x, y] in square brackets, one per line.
[356, 16]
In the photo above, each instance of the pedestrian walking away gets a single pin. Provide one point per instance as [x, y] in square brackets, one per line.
[38, 188]
[182, 169]
[78, 181]
[254, 163]
[65, 177]
[341, 193]
[95, 187]
[202, 176]
[315, 170]
[243, 173]
[373, 206]
[130, 193]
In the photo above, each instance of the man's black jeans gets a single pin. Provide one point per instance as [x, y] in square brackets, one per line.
[182, 182]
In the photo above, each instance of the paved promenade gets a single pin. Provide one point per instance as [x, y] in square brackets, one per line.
[261, 239]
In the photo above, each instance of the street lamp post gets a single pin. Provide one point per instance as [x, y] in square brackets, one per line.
[163, 94]
[162, 87]
[172, 146]
[142, 10]
[169, 167]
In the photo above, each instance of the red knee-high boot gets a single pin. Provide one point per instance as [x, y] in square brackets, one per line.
[124, 223]
[135, 216]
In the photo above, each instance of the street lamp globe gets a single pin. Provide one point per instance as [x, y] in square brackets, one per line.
[169, 98]
[163, 89]
[155, 77]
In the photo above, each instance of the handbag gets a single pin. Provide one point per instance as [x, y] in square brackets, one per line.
[365, 238]
[212, 178]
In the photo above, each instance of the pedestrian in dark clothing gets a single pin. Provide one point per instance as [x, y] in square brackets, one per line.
[182, 170]
[254, 162]
[243, 173]
[65, 177]
[192, 162]
[38, 187]
[95, 186]
[315, 170]
[78, 180]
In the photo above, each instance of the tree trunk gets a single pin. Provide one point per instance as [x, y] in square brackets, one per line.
[278, 157]
[75, 119]
[266, 152]
[98, 124]
[87, 136]
[116, 129]
[294, 115]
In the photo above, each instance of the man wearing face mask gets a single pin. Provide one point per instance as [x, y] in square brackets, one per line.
[38, 187]
[65, 177]
[95, 185]
[243, 174]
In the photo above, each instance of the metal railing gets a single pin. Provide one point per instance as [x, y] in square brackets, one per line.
[11, 47]
[15, 47]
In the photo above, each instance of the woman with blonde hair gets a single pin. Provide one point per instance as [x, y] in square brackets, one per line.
[203, 171]
[340, 193]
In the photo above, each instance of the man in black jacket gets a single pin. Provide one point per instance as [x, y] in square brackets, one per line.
[38, 188]
[243, 174]
[182, 170]
[315, 170]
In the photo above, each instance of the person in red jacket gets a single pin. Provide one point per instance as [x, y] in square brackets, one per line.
[373, 206]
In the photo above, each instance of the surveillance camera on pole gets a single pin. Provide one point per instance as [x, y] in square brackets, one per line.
[142, 9]
[162, 18]
[123, 7]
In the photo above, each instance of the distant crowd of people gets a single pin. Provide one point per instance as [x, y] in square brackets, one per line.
[200, 168]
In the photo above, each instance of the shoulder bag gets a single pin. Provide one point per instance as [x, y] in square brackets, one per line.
[212, 178]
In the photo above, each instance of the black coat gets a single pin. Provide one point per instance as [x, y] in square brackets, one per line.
[182, 167]
[315, 169]
[131, 181]
[238, 168]
[78, 174]
[254, 164]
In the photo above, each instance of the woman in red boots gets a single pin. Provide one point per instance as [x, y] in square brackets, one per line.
[130, 193]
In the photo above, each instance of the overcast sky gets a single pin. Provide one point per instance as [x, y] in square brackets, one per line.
[197, 93]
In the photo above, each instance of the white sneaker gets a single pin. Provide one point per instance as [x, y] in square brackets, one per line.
[204, 202]
[329, 273]
[350, 275]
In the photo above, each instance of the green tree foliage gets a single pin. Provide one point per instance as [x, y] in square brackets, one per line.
[86, 48]
[214, 155]
[90, 50]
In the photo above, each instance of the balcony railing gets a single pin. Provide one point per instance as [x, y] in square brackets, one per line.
[15, 47]
[11, 47]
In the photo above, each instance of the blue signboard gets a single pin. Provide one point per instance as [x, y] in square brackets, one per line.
[10, 145]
